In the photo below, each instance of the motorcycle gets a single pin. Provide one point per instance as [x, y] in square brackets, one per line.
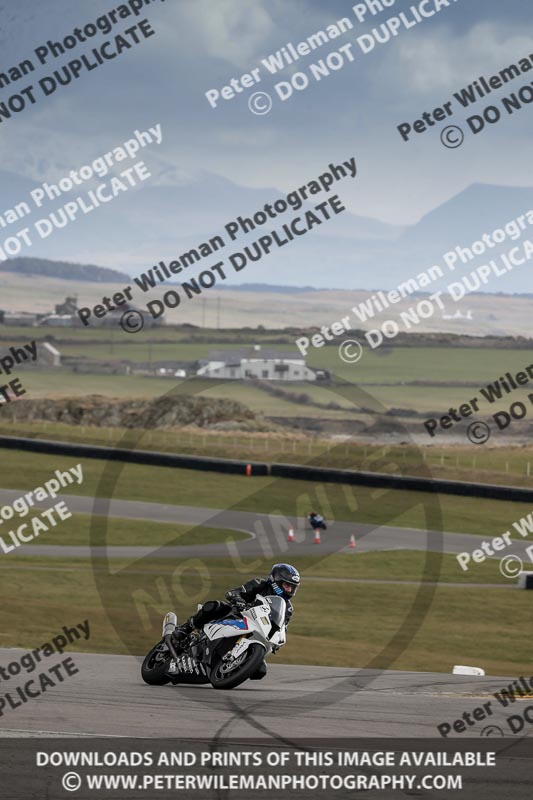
[317, 523]
[225, 653]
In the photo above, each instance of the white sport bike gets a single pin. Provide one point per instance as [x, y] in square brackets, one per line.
[225, 653]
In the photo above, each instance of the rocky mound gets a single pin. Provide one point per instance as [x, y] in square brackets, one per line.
[161, 412]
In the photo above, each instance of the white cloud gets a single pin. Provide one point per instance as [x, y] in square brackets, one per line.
[228, 29]
[438, 61]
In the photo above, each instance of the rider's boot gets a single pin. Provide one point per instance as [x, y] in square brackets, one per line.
[183, 631]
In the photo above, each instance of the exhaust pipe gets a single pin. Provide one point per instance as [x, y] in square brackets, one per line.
[170, 623]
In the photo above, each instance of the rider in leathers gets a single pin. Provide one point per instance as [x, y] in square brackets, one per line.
[283, 581]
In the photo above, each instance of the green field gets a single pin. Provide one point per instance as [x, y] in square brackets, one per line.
[425, 380]
[395, 365]
[503, 465]
[390, 625]
[401, 566]
[135, 351]
[270, 495]
[64, 383]
[442, 365]
[433, 401]
[85, 530]
[382, 379]
[166, 334]
[475, 365]
[427, 400]
[512, 466]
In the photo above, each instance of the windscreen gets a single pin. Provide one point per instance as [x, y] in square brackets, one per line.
[278, 610]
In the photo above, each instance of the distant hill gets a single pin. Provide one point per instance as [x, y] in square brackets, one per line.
[63, 269]
[267, 287]
[350, 251]
[140, 228]
[239, 307]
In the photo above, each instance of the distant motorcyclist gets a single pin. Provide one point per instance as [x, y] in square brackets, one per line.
[317, 521]
[283, 581]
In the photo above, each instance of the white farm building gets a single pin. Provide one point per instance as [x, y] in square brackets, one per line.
[256, 364]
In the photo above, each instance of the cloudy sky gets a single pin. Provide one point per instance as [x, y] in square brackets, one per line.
[202, 44]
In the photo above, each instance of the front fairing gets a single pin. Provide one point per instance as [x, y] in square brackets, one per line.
[278, 609]
[265, 619]
[230, 626]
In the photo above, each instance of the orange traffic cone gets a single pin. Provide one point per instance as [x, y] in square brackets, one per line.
[290, 537]
[352, 541]
[317, 536]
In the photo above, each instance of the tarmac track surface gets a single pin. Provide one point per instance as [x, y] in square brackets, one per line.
[267, 533]
[108, 698]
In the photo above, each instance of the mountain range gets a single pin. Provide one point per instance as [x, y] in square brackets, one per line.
[167, 217]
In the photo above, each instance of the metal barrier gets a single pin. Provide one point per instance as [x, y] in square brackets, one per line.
[290, 471]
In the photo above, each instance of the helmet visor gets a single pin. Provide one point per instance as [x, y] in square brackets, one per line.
[288, 588]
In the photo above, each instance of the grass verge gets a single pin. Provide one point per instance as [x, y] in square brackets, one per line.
[337, 622]
[269, 495]
[118, 532]
[511, 465]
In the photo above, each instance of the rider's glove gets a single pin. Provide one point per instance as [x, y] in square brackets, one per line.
[236, 600]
